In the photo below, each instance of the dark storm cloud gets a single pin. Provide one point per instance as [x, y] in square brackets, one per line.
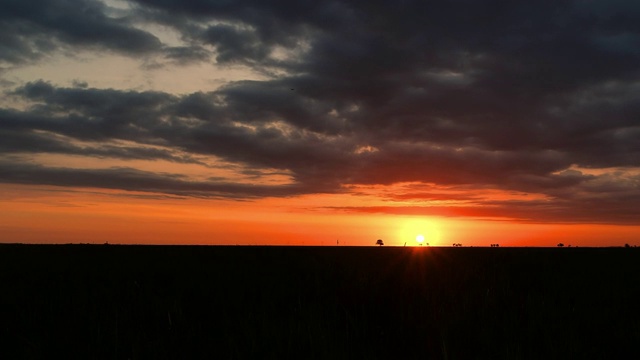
[235, 44]
[507, 95]
[260, 102]
[187, 54]
[195, 124]
[46, 142]
[87, 114]
[33, 28]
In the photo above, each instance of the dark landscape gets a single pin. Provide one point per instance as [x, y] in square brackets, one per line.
[224, 302]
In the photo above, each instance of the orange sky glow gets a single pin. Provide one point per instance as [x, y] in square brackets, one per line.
[44, 214]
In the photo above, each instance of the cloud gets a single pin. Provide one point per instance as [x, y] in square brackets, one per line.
[604, 199]
[539, 98]
[609, 212]
[32, 29]
[131, 179]
[187, 54]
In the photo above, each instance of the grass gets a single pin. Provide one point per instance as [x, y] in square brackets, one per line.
[140, 302]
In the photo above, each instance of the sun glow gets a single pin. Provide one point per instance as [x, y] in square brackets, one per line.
[428, 230]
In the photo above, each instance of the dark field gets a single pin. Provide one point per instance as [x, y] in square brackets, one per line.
[179, 302]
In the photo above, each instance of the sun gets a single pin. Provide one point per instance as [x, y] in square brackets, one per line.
[419, 231]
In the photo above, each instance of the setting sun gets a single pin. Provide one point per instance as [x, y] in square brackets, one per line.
[428, 230]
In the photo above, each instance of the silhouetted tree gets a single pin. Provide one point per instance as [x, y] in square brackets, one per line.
[627, 245]
[560, 245]
[380, 242]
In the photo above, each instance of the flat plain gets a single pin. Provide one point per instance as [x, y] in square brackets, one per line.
[237, 302]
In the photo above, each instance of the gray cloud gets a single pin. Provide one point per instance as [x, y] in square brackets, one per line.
[33, 28]
[187, 54]
[130, 179]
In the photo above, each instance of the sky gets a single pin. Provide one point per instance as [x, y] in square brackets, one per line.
[320, 122]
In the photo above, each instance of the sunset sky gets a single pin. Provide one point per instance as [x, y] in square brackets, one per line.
[320, 122]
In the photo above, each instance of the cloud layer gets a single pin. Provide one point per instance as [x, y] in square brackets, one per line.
[532, 97]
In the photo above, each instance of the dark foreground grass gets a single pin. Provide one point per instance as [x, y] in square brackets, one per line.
[179, 302]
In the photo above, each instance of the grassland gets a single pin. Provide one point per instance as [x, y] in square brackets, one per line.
[179, 302]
